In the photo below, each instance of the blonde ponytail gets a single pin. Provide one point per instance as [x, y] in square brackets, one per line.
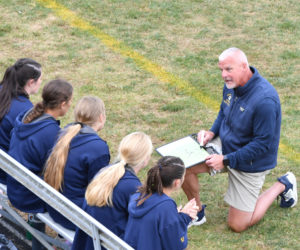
[87, 112]
[99, 192]
[134, 149]
[56, 162]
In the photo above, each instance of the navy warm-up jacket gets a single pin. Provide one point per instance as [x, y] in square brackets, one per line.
[248, 124]
[156, 224]
[18, 105]
[88, 153]
[115, 217]
[30, 145]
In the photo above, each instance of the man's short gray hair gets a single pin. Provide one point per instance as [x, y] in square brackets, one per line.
[231, 51]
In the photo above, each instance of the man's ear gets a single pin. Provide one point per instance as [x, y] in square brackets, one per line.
[244, 66]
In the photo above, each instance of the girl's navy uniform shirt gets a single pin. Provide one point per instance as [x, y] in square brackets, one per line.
[114, 218]
[17, 106]
[88, 153]
[30, 145]
[156, 224]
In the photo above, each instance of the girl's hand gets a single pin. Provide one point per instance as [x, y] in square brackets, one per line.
[190, 209]
[179, 208]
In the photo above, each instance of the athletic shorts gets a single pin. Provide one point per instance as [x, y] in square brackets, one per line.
[243, 188]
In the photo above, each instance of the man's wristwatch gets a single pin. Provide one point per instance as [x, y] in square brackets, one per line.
[225, 161]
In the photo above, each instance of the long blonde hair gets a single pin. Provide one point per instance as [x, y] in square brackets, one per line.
[133, 150]
[87, 111]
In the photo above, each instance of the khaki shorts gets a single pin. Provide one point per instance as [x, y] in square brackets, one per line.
[243, 188]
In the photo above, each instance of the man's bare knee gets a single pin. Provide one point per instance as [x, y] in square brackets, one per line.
[238, 227]
[239, 220]
[189, 171]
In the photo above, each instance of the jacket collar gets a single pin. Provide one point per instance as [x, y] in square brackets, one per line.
[130, 169]
[87, 130]
[239, 91]
[40, 118]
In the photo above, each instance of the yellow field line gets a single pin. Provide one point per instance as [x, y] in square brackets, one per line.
[119, 47]
[149, 66]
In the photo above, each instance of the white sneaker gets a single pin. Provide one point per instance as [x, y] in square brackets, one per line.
[289, 196]
[200, 219]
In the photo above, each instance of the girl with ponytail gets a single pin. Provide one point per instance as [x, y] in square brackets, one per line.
[154, 220]
[78, 155]
[107, 196]
[33, 136]
[19, 81]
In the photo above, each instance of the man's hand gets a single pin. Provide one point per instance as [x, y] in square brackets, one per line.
[207, 136]
[215, 161]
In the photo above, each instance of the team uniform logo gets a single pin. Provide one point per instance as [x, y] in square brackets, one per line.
[228, 99]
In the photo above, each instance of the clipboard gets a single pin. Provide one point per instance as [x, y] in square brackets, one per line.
[187, 149]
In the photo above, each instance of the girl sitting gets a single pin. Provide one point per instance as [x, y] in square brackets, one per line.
[78, 155]
[19, 81]
[108, 194]
[33, 137]
[154, 221]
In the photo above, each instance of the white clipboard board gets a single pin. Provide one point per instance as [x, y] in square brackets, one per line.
[187, 149]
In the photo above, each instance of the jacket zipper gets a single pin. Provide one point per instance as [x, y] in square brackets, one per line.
[229, 116]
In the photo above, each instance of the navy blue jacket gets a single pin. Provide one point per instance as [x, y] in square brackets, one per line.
[156, 224]
[30, 145]
[248, 124]
[114, 218]
[88, 153]
[17, 106]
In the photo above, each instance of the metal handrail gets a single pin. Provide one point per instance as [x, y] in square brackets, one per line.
[99, 233]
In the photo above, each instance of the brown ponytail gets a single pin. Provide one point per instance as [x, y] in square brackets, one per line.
[14, 81]
[162, 175]
[37, 111]
[54, 94]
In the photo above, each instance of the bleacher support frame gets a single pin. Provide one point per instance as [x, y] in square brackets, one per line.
[100, 234]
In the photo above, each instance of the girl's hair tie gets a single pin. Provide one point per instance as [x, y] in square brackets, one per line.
[80, 123]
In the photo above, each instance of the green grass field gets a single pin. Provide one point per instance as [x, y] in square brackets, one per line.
[154, 64]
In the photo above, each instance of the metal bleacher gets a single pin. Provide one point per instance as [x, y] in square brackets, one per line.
[101, 235]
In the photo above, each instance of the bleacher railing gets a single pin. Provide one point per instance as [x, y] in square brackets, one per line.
[99, 233]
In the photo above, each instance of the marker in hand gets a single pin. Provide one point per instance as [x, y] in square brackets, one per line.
[202, 138]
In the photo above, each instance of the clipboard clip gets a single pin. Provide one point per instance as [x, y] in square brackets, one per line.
[209, 149]
[195, 137]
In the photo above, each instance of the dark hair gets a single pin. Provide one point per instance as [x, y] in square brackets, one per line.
[54, 93]
[162, 175]
[14, 81]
